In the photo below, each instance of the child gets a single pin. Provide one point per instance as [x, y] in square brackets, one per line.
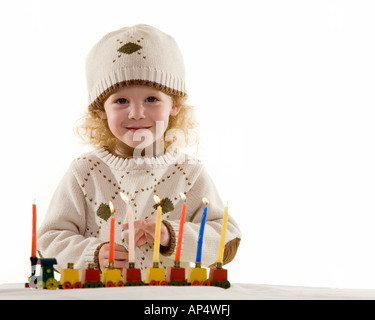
[137, 120]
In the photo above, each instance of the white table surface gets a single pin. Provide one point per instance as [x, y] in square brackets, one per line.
[237, 291]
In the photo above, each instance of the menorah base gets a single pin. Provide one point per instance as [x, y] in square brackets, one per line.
[155, 275]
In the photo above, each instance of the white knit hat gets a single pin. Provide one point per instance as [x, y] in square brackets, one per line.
[138, 55]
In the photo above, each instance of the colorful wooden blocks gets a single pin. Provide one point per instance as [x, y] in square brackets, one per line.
[91, 277]
[155, 276]
[198, 276]
[132, 276]
[111, 277]
[46, 279]
[70, 278]
[219, 278]
[176, 276]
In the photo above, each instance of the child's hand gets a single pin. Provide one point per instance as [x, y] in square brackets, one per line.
[121, 256]
[145, 232]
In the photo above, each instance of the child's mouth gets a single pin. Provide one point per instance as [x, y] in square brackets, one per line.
[134, 129]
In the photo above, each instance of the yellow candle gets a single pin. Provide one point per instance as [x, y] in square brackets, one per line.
[157, 231]
[220, 256]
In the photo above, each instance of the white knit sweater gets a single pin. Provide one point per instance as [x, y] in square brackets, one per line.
[77, 223]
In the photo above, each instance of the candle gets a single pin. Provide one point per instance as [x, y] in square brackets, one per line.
[157, 231]
[201, 232]
[130, 216]
[112, 235]
[181, 229]
[220, 255]
[33, 239]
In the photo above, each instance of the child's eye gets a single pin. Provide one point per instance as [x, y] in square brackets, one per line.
[152, 99]
[122, 101]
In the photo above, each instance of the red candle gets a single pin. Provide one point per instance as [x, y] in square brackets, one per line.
[112, 235]
[181, 229]
[33, 239]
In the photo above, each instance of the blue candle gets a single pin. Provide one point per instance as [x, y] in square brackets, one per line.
[201, 232]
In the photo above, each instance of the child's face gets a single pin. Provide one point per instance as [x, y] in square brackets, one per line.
[138, 116]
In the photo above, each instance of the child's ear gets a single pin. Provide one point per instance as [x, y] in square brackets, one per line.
[102, 115]
[175, 110]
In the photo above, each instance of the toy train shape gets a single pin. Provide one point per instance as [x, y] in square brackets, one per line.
[92, 278]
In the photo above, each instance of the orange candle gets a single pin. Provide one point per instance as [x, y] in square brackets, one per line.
[112, 235]
[181, 229]
[33, 239]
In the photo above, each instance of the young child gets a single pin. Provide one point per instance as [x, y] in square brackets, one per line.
[137, 120]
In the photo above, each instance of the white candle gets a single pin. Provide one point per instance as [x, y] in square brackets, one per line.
[131, 234]
[130, 218]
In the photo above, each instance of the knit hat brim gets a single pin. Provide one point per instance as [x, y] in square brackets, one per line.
[98, 103]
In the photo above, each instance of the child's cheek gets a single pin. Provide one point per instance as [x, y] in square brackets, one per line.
[160, 115]
[116, 119]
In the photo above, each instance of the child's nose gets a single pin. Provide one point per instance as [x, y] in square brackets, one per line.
[136, 112]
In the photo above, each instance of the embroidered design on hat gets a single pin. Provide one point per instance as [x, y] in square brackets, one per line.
[129, 48]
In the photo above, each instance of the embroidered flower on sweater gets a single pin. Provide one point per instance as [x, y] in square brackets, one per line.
[104, 211]
[166, 205]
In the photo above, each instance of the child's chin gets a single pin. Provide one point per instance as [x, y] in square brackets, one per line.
[142, 146]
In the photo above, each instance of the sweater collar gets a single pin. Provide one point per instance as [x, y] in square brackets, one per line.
[120, 163]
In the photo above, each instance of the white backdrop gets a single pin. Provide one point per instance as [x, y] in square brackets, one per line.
[285, 98]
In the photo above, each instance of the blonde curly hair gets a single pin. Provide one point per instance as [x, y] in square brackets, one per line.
[181, 133]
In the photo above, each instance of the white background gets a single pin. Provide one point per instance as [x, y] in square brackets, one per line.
[284, 92]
